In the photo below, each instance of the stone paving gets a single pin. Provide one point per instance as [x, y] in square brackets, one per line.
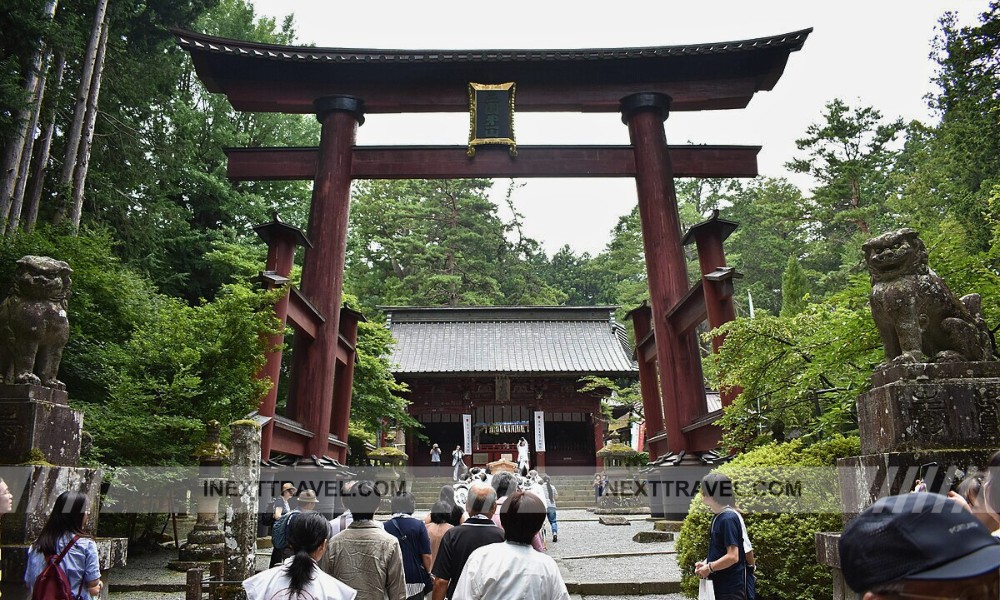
[598, 562]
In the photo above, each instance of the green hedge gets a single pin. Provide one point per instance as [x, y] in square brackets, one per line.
[783, 540]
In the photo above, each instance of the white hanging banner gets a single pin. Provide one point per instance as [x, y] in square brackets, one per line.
[539, 431]
[467, 433]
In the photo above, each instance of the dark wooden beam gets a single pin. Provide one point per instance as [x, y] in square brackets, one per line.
[303, 314]
[296, 96]
[449, 162]
[689, 311]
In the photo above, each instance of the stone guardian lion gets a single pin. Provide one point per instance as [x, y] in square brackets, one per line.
[34, 326]
[919, 319]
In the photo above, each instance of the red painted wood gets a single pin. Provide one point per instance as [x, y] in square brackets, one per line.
[344, 381]
[689, 312]
[323, 276]
[416, 96]
[706, 436]
[304, 317]
[280, 257]
[289, 442]
[681, 383]
[719, 303]
[269, 78]
[652, 407]
[446, 162]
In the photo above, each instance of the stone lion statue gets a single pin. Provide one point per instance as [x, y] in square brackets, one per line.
[34, 326]
[918, 317]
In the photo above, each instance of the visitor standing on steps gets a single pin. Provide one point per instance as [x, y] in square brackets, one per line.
[435, 457]
[523, 465]
[457, 462]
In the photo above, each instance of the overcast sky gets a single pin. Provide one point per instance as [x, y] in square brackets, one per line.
[872, 52]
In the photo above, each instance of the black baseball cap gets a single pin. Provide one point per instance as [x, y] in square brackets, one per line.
[915, 536]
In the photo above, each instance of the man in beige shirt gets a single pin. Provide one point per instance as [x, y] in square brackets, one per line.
[364, 556]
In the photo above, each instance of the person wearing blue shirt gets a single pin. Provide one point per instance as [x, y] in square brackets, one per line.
[67, 520]
[413, 541]
[726, 562]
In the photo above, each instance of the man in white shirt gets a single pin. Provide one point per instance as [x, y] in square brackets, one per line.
[513, 569]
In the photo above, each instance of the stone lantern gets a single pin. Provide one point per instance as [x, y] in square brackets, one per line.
[207, 541]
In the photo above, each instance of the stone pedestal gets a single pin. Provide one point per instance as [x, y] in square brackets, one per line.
[35, 490]
[935, 422]
[33, 416]
[931, 406]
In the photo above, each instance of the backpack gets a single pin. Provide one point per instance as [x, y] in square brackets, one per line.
[52, 583]
[279, 534]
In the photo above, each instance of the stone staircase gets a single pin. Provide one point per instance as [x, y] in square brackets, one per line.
[575, 491]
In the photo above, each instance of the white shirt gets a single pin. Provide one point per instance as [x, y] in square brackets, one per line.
[510, 570]
[273, 583]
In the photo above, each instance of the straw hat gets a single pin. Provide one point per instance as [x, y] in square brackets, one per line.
[287, 487]
[307, 496]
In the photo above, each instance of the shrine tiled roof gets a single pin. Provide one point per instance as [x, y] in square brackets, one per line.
[520, 339]
[194, 41]
[277, 78]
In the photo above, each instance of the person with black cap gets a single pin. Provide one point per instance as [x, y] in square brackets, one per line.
[920, 546]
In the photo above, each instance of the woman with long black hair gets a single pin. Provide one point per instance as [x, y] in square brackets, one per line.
[63, 535]
[300, 577]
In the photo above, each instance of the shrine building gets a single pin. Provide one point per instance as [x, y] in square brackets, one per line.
[483, 377]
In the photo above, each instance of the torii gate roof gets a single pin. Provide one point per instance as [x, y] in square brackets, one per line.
[273, 78]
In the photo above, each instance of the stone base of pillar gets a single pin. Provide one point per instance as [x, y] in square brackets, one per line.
[38, 418]
[927, 405]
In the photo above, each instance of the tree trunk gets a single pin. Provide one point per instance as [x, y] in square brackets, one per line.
[41, 158]
[11, 160]
[80, 176]
[26, 153]
[73, 138]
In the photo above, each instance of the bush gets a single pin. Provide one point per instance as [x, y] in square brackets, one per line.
[783, 539]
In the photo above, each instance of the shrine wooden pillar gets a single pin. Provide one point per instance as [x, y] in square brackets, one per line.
[323, 269]
[681, 382]
[281, 240]
[344, 380]
[652, 406]
[717, 279]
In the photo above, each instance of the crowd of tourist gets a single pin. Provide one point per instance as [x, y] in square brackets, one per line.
[484, 543]
[405, 558]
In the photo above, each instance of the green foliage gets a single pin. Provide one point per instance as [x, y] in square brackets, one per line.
[773, 219]
[438, 243]
[849, 154]
[802, 371]
[144, 366]
[377, 396]
[108, 301]
[186, 365]
[782, 529]
[965, 148]
[621, 392]
[794, 289]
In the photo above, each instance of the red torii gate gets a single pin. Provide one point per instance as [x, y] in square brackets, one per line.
[643, 84]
